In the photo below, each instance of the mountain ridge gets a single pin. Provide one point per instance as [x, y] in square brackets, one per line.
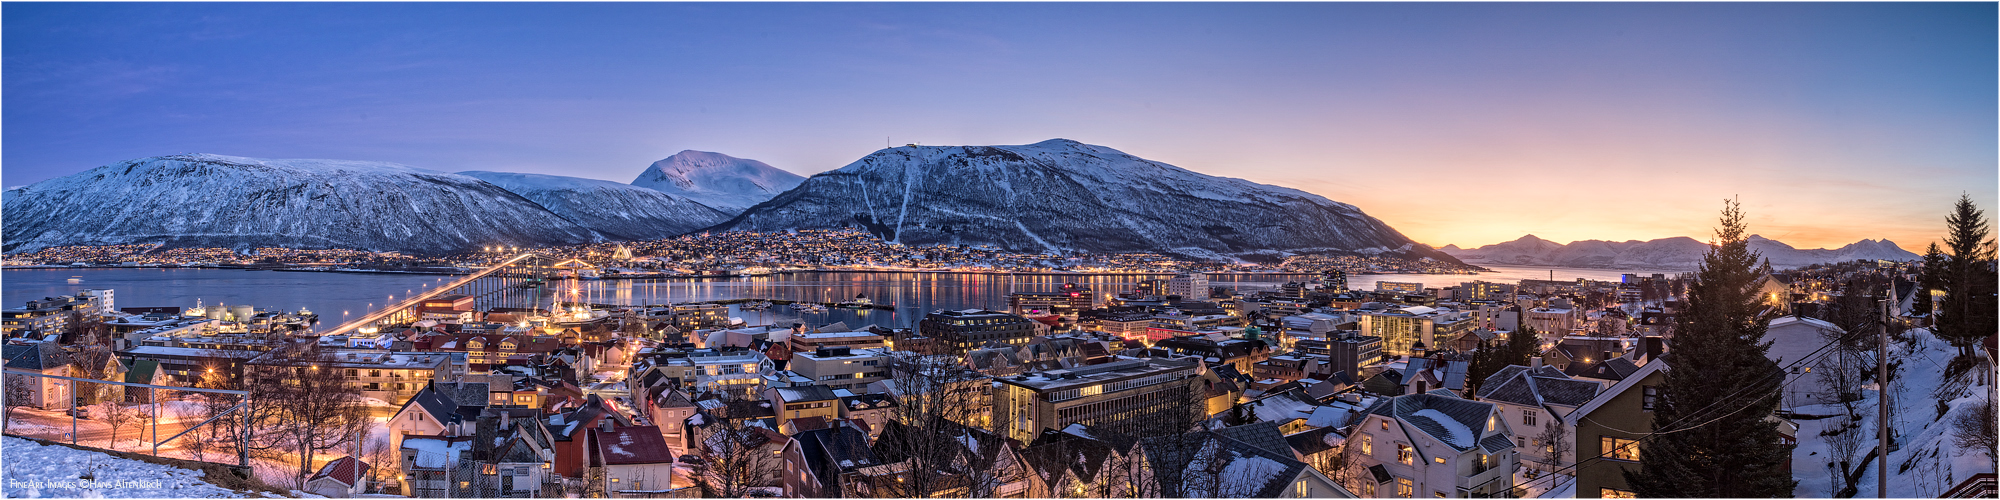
[1062, 195]
[1677, 252]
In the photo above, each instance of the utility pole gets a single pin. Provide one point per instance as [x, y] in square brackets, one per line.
[1882, 404]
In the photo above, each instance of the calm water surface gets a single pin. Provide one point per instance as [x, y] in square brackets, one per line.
[334, 294]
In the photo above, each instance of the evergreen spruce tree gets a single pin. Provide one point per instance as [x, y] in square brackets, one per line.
[1712, 439]
[1933, 278]
[1522, 345]
[1967, 312]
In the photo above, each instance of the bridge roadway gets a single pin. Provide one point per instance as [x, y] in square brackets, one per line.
[413, 301]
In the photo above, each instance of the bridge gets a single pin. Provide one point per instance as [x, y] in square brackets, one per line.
[516, 280]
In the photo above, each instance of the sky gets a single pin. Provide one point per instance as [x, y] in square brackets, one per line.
[1465, 124]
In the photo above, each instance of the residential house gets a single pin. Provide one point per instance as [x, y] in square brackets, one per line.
[1433, 445]
[632, 460]
[872, 411]
[1251, 461]
[969, 462]
[1079, 462]
[144, 371]
[829, 463]
[1609, 427]
[342, 478]
[1794, 338]
[46, 358]
[802, 401]
[1534, 400]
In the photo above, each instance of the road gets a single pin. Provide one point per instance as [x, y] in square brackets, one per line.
[92, 432]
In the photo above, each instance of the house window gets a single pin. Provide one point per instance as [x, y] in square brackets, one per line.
[1437, 459]
[1619, 449]
[1367, 445]
[1368, 488]
[1404, 487]
[1611, 493]
[1300, 489]
[1385, 424]
[1438, 494]
[1405, 455]
[1527, 417]
[1652, 394]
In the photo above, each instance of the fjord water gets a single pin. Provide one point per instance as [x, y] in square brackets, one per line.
[912, 294]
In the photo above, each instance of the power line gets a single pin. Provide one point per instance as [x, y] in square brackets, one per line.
[1700, 412]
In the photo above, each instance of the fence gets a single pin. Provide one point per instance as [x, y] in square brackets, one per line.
[242, 408]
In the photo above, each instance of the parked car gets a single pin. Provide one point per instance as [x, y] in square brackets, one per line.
[80, 412]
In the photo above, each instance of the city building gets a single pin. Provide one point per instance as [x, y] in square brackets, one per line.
[1399, 287]
[1551, 321]
[840, 367]
[1118, 392]
[1482, 290]
[1346, 353]
[380, 374]
[1335, 280]
[187, 366]
[954, 332]
[812, 341]
[1404, 330]
[1067, 302]
[1190, 286]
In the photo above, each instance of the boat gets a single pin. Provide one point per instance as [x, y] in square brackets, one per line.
[860, 302]
[75, 279]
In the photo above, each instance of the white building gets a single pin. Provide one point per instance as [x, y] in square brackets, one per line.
[1191, 286]
[1433, 446]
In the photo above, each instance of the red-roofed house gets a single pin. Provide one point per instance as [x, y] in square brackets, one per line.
[634, 459]
[341, 478]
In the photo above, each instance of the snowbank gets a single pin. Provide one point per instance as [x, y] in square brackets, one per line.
[37, 471]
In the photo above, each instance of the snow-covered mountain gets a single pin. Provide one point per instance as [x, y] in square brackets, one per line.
[1679, 252]
[720, 181]
[227, 201]
[617, 211]
[1061, 195]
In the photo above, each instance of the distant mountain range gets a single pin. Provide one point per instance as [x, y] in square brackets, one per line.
[1676, 253]
[1062, 195]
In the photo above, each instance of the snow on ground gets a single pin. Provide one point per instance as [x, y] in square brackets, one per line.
[37, 471]
[1542, 486]
[1926, 462]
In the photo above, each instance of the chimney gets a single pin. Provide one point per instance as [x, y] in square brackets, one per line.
[604, 424]
[1534, 362]
[1655, 346]
[506, 420]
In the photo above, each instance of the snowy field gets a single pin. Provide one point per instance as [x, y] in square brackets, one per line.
[1926, 462]
[37, 471]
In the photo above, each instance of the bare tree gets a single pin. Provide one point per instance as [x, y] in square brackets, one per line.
[1975, 429]
[944, 430]
[19, 393]
[732, 463]
[1555, 440]
[300, 395]
[1845, 444]
[117, 416]
[1169, 440]
[96, 362]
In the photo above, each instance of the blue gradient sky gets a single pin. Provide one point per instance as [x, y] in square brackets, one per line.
[1455, 123]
